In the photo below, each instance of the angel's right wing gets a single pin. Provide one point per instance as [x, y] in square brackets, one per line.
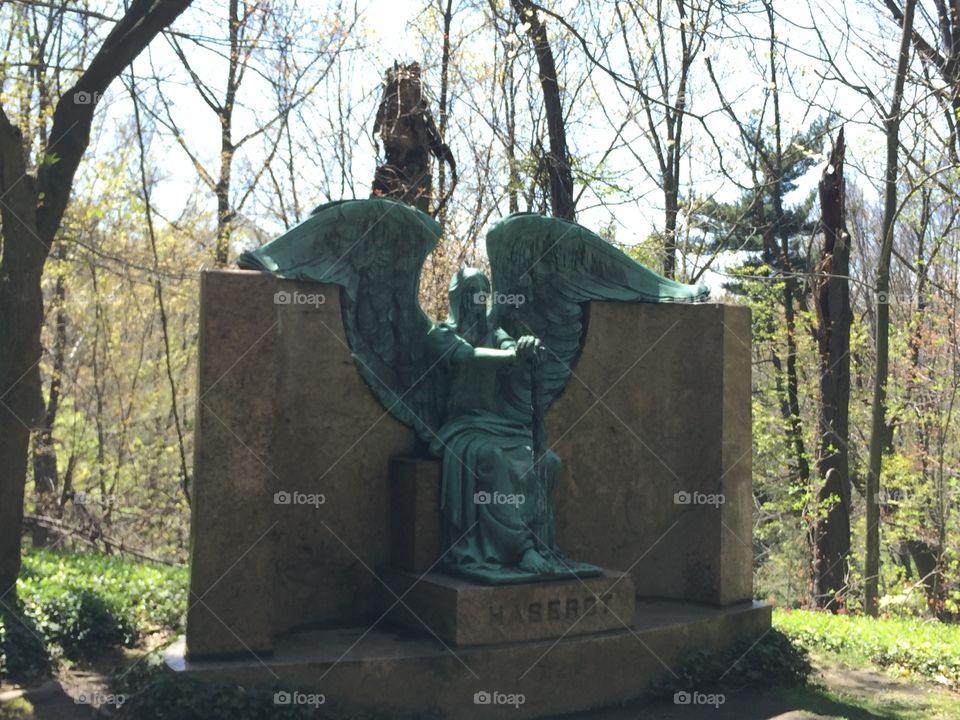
[550, 267]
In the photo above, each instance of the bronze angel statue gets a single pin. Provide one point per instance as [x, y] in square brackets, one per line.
[474, 387]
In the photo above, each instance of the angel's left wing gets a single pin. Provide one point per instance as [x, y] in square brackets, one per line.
[374, 249]
[545, 268]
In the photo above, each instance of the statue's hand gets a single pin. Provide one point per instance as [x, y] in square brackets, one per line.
[527, 347]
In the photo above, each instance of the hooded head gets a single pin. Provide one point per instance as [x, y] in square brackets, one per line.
[468, 293]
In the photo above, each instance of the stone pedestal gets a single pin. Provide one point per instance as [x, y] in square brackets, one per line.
[390, 673]
[414, 513]
[652, 430]
[464, 613]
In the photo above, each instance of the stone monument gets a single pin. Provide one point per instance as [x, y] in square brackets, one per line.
[416, 516]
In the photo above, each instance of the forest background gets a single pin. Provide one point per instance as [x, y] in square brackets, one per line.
[798, 157]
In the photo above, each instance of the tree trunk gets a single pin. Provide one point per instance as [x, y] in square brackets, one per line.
[557, 160]
[45, 474]
[444, 94]
[878, 429]
[834, 317]
[671, 201]
[509, 89]
[21, 319]
[791, 289]
[225, 116]
[673, 152]
[927, 560]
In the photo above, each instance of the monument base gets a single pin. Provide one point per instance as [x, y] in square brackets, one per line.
[398, 673]
[461, 612]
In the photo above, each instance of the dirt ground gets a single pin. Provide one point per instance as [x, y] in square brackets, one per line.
[838, 692]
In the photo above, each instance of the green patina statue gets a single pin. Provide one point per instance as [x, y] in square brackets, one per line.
[475, 387]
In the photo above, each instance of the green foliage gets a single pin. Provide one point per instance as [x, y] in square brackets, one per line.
[82, 602]
[180, 698]
[773, 660]
[928, 648]
[156, 693]
[23, 652]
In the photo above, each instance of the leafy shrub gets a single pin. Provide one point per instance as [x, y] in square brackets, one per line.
[929, 648]
[82, 602]
[156, 693]
[171, 697]
[23, 652]
[81, 621]
[773, 660]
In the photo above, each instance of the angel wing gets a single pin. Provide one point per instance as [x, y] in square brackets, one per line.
[374, 250]
[554, 266]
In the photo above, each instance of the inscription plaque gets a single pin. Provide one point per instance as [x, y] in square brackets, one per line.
[465, 613]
